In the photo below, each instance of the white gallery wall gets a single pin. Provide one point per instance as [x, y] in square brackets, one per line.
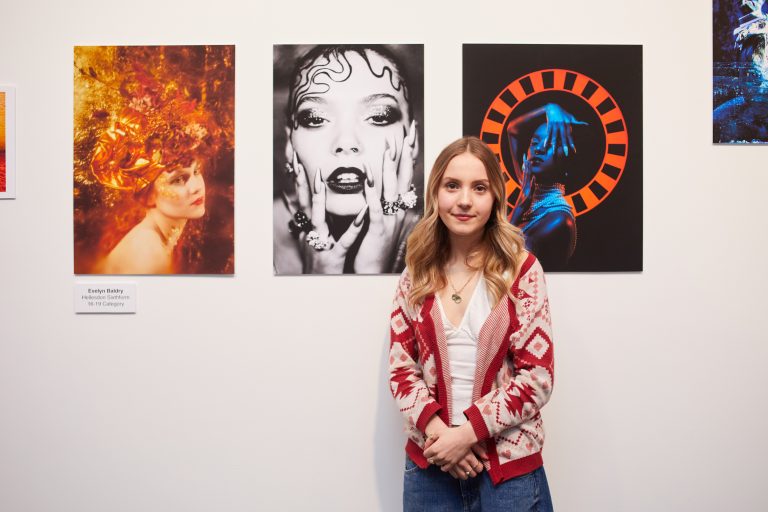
[263, 393]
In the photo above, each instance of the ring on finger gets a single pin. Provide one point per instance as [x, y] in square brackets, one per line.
[407, 200]
[316, 242]
[300, 223]
[390, 207]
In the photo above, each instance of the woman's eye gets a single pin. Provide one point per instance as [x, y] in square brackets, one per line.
[383, 115]
[451, 185]
[481, 188]
[310, 118]
[179, 180]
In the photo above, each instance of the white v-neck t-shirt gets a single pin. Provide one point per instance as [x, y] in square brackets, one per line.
[462, 348]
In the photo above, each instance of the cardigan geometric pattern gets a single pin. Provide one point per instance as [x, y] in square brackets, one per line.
[513, 377]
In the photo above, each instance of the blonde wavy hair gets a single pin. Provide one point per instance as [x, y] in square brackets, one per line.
[429, 245]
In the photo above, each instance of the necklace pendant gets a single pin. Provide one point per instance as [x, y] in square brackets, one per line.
[456, 298]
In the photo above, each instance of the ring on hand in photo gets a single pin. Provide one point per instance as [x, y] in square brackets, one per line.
[300, 223]
[390, 207]
[317, 243]
[408, 200]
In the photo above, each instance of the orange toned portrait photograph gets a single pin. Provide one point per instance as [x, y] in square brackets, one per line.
[154, 159]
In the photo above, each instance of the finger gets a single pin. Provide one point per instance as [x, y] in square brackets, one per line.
[405, 175]
[466, 469]
[480, 452]
[292, 205]
[470, 460]
[318, 205]
[550, 128]
[561, 138]
[389, 170]
[352, 232]
[415, 143]
[371, 197]
[462, 472]
[410, 139]
[302, 188]
[566, 139]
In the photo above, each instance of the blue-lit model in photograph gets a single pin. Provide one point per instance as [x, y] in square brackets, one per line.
[740, 71]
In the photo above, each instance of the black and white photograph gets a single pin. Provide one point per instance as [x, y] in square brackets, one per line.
[348, 169]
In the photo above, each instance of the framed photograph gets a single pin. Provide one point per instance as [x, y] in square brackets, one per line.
[348, 167]
[739, 72]
[7, 142]
[154, 159]
[565, 122]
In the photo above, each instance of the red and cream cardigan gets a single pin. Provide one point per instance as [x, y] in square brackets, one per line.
[513, 377]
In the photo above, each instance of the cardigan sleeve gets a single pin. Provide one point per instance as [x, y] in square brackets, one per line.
[532, 370]
[406, 381]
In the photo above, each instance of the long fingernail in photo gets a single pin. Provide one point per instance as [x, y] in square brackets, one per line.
[360, 216]
[318, 181]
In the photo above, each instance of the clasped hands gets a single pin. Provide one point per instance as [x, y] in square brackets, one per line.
[456, 450]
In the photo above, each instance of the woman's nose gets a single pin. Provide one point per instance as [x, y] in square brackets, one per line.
[197, 184]
[465, 197]
[346, 141]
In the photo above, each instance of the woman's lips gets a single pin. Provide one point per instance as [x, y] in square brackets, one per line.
[346, 180]
[198, 201]
[463, 217]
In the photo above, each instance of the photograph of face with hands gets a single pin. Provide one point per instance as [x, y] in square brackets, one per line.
[565, 123]
[347, 162]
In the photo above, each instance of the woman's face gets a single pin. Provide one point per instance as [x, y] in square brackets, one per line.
[464, 198]
[344, 119]
[180, 194]
[542, 159]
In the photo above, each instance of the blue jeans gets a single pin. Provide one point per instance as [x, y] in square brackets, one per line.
[431, 490]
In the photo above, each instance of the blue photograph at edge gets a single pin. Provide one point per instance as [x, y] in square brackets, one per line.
[740, 71]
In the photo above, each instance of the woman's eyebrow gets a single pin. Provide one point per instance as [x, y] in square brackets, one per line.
[311, 99]
[179, 171]
[452, 178]
[373, 97]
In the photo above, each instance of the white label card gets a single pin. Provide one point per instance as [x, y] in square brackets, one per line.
[103, 297]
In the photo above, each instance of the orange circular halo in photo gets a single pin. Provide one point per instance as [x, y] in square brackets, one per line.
[611, 118]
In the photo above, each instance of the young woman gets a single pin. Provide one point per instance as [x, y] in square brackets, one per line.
[471, 359]
[541, 143]
[347, 202]
[174, 196]
[164, 176]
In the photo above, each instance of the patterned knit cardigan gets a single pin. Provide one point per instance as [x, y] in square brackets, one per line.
[513, 377]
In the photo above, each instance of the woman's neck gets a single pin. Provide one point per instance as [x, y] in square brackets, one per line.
[168, 228]
[463, 251]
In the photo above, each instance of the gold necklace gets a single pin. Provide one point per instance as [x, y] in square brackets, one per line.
[170, 241]
[456, 297]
